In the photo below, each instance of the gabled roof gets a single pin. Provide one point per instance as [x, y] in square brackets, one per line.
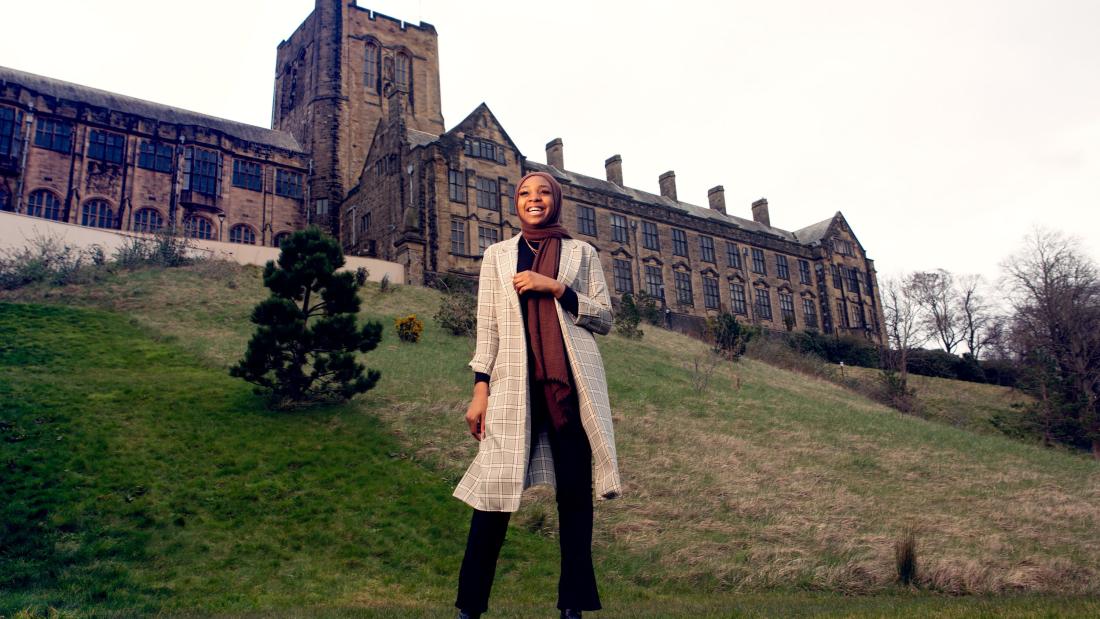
[77, 93]
[814, 233]
[603, 186]
[467, 125]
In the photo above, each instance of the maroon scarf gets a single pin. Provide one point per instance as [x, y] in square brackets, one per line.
[547, 346]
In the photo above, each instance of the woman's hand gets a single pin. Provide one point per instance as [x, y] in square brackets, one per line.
[475, 413]
[530, 281]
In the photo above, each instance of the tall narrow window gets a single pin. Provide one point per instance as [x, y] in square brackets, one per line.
[782, 269]
[710, 292]
[838, 281]
[487, 194]
[586, 220]
[486, 237]
[508, 194]
[706, 247]
[786, 307]
[148, 220]
[804, 272]
[758, 264]
[289, 184]
[97, 214]
[842, 313]
[54, 135]
[654, 282]
[733, 255]
[763, 304]
[809, 313]
[737, 298]
[248, 174]
[402, 72]
[458, 237]
[624, 282]
[679, 242]
[154, 156]
[456, 185]
[105, 146]
[44, 204]
[650, 238]
[853, 280]
[5, 199]
[9, 145]
[619, 232]
[364, 223]
[370, 68]
[684, 295]
[241, 233]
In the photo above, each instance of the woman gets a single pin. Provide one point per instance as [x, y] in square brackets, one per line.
[540, 407]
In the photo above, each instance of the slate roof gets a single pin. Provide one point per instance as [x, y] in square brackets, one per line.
[596, 184]
[155, 111]
[814, 232]
[420, 138]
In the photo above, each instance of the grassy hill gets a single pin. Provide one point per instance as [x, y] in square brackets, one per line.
[152, 480]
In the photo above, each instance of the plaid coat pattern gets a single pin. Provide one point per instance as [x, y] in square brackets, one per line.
[503, 468]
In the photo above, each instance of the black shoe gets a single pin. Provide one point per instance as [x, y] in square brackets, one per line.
[465, 615]
[569, 613]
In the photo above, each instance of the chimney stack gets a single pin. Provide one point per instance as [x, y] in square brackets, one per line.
[614, 168]
[554, 155]
[717, 198]
[668, 184]
[760, 212]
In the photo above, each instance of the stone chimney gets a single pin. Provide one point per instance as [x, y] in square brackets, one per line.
[668, 184]
[717, 197]
[760, 212]
[614, 168]
[554, 155]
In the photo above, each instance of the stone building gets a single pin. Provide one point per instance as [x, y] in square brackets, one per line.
[359, 147]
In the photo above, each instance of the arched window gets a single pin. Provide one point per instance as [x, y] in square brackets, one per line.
[279, 238]
[44, 204]
[241, 233]
[402, 73]
[97, 214]
[148, 220]
[197, 227]
[5, 199]
[371, 71]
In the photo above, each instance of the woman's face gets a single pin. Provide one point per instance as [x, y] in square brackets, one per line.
[535, 201]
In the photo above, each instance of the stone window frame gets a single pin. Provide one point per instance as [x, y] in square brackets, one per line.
[106, 146]
[402, 70]
[9, 121]
[456, 185]
[763, 303]
[458, 236]
[733, 256]
[738, 301]
[758, 263]
[838, 277]
[197, 226]
[706, 248]
[45, 204]
[654, 282]
[480, 148]
[809, 312]
[620, 231]
[365, 223]
[155, 156]
[507, 196]
[371, 73]
[842, 314]
[147, 219]
[202, 170]
[679, 243]
[486, 236]
[843, 247]
[97, 213]
[804, 272]
[782, 267]
[54, 134]
[248, 174]
[622, 276]
[685, 294]
[487, 190]
[711, 296]
[651, 236]
[288, 184]
[853, 280]
[586, 220]
[786, 306]
[243, 234]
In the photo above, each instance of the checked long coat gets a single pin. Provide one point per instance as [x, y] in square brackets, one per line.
[504, 468]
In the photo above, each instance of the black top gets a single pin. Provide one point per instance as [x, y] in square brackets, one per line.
[568, 298]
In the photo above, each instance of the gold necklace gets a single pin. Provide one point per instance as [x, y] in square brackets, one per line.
[534, 250]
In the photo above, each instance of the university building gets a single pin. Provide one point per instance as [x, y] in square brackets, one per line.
[359, 147]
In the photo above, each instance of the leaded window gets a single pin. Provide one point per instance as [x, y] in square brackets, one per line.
[105, 146]
[853, 280]
[487, 194]
[654, 282]
[619, 232]
[624, 282]
[586, 220]
[248, 174]
[737, 298]
[484, 149]
[289, 184]
[786, 307]
[97, 214]
[370, 68]
[763, 304]
[733, 255]
[456, 185]
[44, 204]
[54, 135]
[9, 145]
[198, 227]
[710, 292]
[650, 238]
[679, 242]
[155, 156]
[201, 171]
[486, 237]
[148, 220]
[241, 233]
[804, 272]
[781, 267]
[809, 312]
[706, 247]
[684, 294]
[758, 264]
[458, 236]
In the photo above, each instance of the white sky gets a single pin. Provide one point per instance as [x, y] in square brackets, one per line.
[944, 130]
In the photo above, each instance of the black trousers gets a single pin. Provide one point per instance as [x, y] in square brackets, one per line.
[573, 474]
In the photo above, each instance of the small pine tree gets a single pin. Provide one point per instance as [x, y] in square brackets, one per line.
[306, 336]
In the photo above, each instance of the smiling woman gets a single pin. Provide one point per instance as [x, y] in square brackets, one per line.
[540, 409]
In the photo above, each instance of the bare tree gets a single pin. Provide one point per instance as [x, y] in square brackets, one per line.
[903, 317]
[1056, 301]
[977, 322]
[935, 292]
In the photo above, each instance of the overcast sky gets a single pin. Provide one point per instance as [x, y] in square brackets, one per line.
[943, 130]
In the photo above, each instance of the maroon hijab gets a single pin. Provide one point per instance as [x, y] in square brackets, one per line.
[551, 366]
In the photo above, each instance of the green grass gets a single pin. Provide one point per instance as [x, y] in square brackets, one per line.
[769, 494]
